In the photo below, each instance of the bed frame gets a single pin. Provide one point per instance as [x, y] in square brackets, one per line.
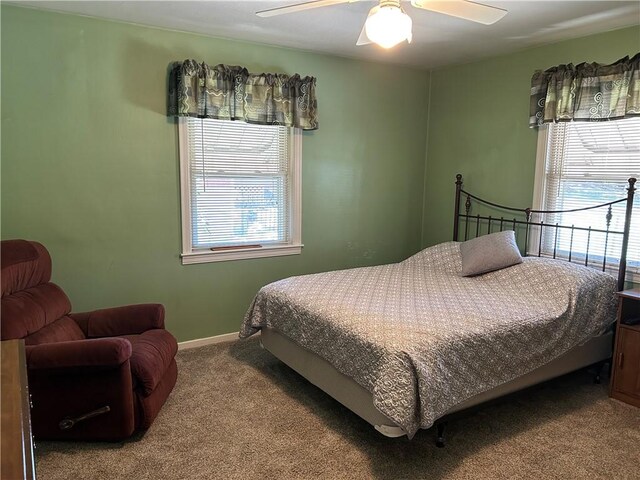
[527, 226]
[597, 350]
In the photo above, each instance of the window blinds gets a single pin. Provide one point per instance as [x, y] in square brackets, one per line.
[240, 183]
[589, 163]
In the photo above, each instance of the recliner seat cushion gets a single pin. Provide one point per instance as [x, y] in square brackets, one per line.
[62, 330]
[152, 353]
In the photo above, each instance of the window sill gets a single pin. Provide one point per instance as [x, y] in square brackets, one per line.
[207, 256]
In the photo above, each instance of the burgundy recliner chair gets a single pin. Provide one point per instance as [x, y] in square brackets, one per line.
[98, 375]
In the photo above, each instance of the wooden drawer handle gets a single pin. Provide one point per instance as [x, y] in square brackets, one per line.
[621, 360]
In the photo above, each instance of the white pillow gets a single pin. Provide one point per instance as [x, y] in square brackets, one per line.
[489, 252]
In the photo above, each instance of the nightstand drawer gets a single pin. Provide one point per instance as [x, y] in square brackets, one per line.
[627, 376]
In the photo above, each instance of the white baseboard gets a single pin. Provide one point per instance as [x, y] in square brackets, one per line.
[201, 342]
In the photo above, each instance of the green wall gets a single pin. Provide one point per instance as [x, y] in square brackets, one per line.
[478, 124]
[90, 164]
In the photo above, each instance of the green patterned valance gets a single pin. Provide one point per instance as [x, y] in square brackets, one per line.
[232, 93]
[587, 92]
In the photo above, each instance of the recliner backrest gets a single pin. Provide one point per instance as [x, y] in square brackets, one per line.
[33, 308]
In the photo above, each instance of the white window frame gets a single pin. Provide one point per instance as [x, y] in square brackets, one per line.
[191, 255]
[541, 163]
[539, 201]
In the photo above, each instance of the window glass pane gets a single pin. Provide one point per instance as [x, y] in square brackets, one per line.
[239, 210]
[240, 183]
[588, 164]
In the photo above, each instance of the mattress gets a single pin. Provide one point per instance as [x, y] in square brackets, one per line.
[423, 339]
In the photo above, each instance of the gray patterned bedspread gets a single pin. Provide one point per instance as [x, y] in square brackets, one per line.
[422, 339]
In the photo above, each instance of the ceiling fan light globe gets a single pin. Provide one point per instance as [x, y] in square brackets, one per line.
[388, 26]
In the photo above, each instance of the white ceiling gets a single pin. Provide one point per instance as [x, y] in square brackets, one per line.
[437, 39]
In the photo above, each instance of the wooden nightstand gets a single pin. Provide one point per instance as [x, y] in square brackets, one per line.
[625, 378]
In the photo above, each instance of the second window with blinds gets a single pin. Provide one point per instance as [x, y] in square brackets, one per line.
[581, 164]
[240, 190]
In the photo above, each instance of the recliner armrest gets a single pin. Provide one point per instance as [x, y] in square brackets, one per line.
[100, 352]
[127, 320]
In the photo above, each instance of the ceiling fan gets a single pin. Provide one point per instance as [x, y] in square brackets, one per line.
[387, 24]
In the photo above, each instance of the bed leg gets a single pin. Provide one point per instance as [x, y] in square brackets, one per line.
[440, 434]
[598, 371]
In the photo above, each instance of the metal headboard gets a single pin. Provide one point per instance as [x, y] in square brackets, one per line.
[527, 225]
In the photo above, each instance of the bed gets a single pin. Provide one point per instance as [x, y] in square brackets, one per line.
[406, 345]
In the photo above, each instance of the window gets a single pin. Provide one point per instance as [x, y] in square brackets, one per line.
[240, 187]
[582, 164]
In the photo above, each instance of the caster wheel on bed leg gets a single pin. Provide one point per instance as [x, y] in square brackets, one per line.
[440, 435]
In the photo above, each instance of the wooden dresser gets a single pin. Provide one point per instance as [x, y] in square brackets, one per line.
[17, 446]
[625, 378]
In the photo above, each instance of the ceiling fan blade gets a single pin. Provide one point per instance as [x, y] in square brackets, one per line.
[299, 7]
[363, 39]
[476, 12]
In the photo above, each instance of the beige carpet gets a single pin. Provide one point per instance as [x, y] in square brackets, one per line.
[237, 412]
